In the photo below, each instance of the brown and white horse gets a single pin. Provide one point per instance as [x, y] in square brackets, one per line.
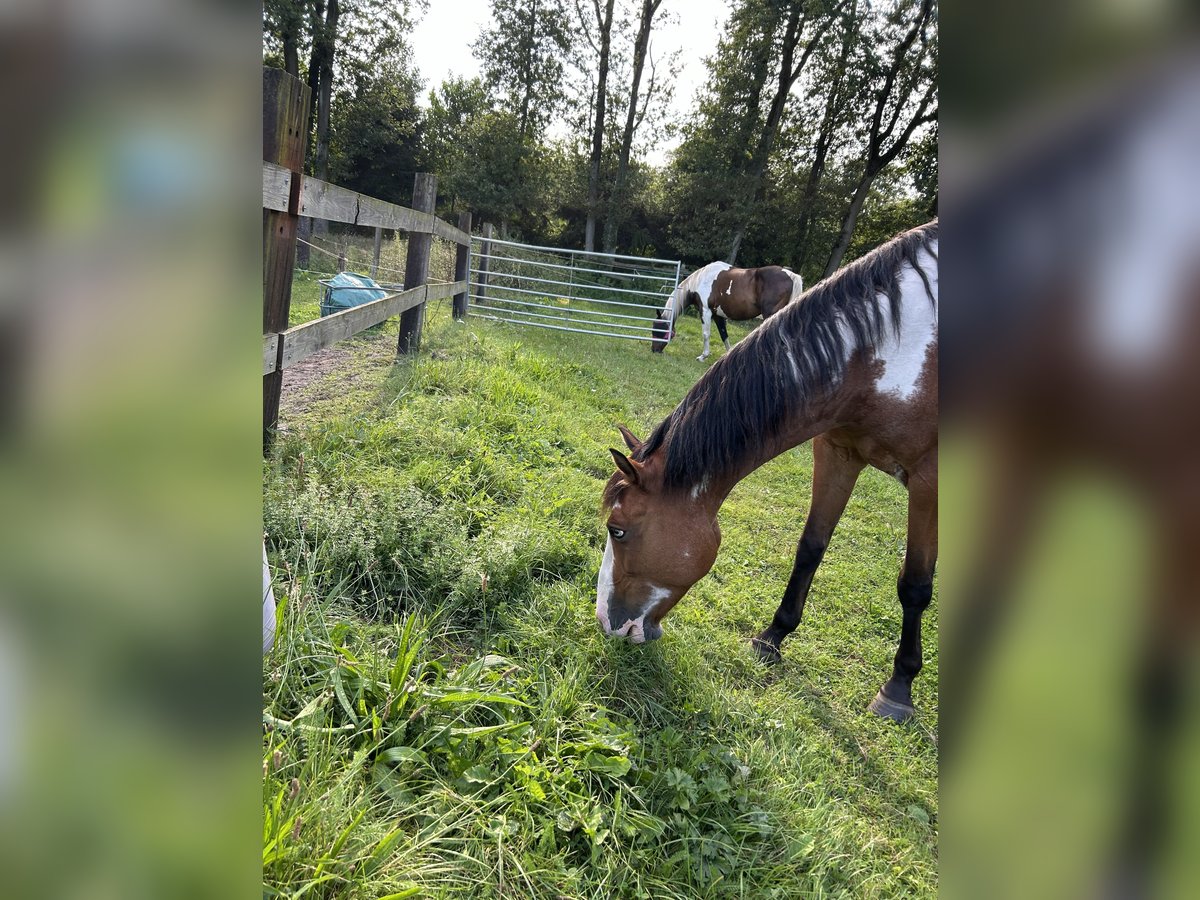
[723, 292]
[853, 368]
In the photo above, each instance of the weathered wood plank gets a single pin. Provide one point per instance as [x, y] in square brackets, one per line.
[270, 353]
[304, 340]
[322, 200]
[277, 187]
[450, 233]
[389, 215]
[442, 291]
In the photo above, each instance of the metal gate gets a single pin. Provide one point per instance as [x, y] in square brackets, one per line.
[604, 294]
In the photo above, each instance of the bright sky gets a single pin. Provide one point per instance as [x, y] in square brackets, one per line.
[442, 45]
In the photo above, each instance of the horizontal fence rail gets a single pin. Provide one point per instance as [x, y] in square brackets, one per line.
[580, 291]
[285, 349]
[322, 200]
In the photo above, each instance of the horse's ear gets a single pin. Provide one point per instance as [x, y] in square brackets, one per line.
[627, 466]
[630, 441]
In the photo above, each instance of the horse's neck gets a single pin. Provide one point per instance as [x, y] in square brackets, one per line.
[713, 490]
[678, 302]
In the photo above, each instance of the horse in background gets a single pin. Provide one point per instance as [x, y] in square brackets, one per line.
[723, 292]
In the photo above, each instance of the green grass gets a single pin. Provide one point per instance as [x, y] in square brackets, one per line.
[461, 727]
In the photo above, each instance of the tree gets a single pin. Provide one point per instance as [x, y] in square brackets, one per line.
[604, 25]
[522, 56]
[905, 98]
[840, 90]
[641, 45]
[453, 108]
[721, 168]
[790, 69]
[283, 24]
[375, 132]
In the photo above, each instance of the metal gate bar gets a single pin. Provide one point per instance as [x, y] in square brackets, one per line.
[516, 276]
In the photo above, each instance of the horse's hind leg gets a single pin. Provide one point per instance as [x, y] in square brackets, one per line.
[915, 589]
[722, 330]
[835, 471]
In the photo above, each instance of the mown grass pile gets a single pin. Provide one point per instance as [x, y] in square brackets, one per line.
[444, 717]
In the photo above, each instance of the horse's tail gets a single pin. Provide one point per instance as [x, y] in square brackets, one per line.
[797, 284]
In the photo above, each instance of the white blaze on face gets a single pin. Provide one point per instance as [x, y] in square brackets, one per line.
[904, 360]
[636, 630]
[604, 587]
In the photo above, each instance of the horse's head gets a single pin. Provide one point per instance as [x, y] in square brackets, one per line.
[662, 331]
[660, 543]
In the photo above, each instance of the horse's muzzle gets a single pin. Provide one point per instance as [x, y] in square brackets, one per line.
[637, 631]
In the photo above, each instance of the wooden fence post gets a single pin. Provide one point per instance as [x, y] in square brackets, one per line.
[416, 266]
[462, 268]
[285, 137]
[378, 245]
[485, 252]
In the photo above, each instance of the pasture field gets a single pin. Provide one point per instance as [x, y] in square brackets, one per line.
[447, 720]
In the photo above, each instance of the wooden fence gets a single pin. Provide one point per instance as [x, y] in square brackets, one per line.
[288, 194]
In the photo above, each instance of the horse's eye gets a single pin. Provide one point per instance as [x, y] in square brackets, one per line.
[617, 533]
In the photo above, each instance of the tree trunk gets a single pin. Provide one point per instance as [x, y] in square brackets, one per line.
[289, 37]
[788, 76]
[589, 240]
[617, 201]
[848, 223]
[527, 73]
[880, 157]
[316, 27]
[321, 161]
[816, 171]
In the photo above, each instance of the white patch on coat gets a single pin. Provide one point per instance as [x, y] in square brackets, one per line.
[604, 588]
[708, 275]
[1139, 266]
[904, 360]
[699, 488]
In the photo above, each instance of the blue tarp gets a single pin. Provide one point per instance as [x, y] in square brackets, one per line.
[347, 290]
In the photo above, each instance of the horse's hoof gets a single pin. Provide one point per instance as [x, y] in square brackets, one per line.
[885, 706]
[767, 652]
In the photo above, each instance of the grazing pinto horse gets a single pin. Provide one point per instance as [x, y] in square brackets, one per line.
[854, 368]
[724, 292]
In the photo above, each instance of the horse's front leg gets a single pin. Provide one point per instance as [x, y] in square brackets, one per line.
[706, 317]
[835, 472]
[915, 589]
[723, 331]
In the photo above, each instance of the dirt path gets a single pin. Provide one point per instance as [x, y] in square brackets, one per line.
[328, 374]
